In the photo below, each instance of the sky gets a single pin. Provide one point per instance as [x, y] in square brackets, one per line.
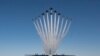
[18, 36]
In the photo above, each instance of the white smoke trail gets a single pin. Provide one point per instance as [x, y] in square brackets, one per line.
[51, 27]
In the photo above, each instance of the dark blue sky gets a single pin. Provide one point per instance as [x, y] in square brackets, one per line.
[18, 35]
